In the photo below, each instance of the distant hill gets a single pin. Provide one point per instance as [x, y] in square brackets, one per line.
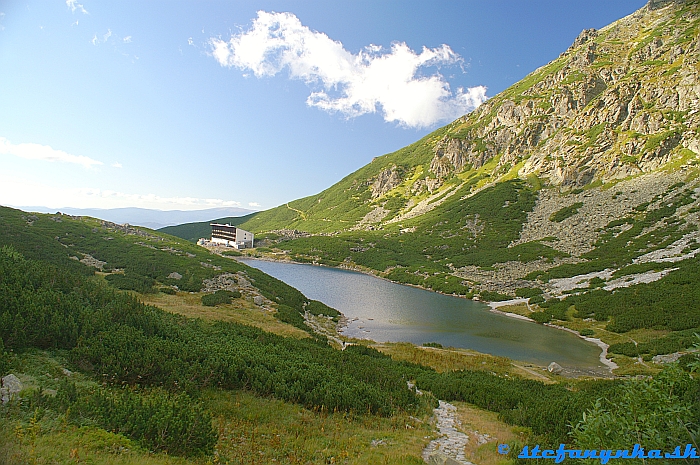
[154, 219]
[194, 231]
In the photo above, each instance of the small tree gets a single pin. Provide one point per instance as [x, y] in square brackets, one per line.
[658, 413]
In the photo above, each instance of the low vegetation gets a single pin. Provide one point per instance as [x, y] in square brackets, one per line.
[139, 371]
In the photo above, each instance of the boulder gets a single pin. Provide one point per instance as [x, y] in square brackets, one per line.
[10, 386]
[555, 368]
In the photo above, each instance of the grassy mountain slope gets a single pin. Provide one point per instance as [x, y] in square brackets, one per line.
[578, 183]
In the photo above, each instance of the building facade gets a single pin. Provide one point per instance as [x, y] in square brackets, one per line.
[231, 236]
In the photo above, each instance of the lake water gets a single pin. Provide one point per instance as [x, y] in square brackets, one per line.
[387, 312]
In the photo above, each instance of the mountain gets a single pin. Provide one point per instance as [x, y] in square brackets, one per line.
[154, 219]
[577, 187]
[620, 102]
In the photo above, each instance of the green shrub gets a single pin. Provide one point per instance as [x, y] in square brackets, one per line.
[624, 348]
[566, 212]
[491, 296]
[4, 360]
[220, 297]
[319, 308]
[129, 281]
[168, 290]
[287, 314]
[688, 361]
[437, 345]
[526, 292]
[160, 421]
[541, 317]
[586, 332]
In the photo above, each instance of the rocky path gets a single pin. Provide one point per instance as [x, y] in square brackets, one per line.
[449, 448]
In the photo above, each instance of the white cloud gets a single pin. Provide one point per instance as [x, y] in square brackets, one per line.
[254, 204]
[115, 40]
[395, 82]
[15, 190]
[190, 41]
[116, 165]
[32, 151]
[74, 5]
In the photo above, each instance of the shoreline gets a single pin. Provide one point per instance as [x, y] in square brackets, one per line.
[356, 269]
[504, 303]
[493, 306]
[602, 345]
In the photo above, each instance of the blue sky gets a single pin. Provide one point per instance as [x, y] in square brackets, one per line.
[189, 105]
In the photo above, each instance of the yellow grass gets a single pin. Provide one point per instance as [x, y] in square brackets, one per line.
[239, 311]
[518, 309]
[444, 359]
[266, 431]
[485, 432]
[72, 445]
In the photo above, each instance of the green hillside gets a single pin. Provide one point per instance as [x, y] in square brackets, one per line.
[194, 231]
[577, 190]
[112, 378]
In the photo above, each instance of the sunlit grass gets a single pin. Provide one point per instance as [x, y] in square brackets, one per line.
[238, 311]
[485, 432]
[253, 430]
[53, 443]
[445, 359]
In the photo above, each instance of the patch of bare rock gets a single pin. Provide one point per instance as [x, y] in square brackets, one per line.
[237, 282]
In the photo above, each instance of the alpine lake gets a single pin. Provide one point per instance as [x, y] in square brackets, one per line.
[384, 311]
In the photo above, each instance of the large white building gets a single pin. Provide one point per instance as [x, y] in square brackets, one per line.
[231, 236]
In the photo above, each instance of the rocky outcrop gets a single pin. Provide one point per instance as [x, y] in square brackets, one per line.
[385, 181]
[555, 368]
[619, 102]
[89, 260]
[238, 282]
[455, 155]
